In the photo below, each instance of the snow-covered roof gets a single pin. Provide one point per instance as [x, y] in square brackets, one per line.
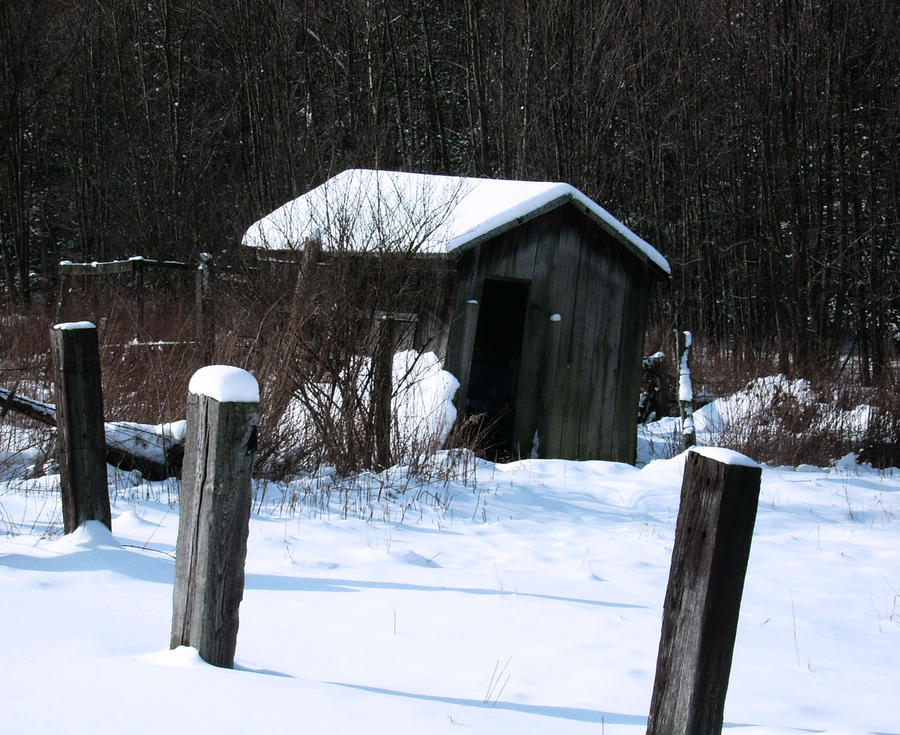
[370, 210]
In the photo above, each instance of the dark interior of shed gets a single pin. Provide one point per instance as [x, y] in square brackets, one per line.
[496, 358]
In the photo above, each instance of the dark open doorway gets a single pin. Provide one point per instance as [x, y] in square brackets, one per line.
[496, 356]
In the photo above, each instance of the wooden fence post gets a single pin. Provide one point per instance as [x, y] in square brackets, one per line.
[203, 305]
[719, 497]
[214, 516]
[63, 292]
[137, 265]
[81, 441]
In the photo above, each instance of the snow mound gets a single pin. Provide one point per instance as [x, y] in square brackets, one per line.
[89, 535]
[423, 396]
[417, 560]
[758, 400]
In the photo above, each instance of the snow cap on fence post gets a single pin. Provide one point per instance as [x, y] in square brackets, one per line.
[726, 456]
[68, 326]
[214, 515]
[225, 384]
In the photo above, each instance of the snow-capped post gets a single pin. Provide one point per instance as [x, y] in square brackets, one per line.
[81, 442]
[719, 496]
[222, 418]
[686, 391]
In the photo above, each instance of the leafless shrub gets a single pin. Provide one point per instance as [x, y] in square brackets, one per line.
[786, 430]
[880, 443]
[361, 282]
[813, 421]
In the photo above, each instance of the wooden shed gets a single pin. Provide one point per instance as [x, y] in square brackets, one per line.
[539, 302]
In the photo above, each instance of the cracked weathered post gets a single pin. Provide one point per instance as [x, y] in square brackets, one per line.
[214, 517]
[81, 441]
[719, 496]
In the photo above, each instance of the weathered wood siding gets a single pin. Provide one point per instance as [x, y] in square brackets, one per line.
[433, 310]
[579, 378]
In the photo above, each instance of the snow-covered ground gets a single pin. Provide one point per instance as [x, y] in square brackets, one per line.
[517, 598]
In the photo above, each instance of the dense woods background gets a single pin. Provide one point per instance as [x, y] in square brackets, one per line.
[753, 142]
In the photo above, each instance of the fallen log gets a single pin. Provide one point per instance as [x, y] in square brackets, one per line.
[45, 413]
[156, 451]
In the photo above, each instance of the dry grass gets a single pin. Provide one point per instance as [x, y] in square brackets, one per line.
[147, 360]
[148, 356]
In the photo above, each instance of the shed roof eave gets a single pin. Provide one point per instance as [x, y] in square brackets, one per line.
[632, 242]
[463, 243]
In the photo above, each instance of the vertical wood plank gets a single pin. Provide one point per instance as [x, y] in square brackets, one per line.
[703, 597]
[561, 273]
[601, 292]
[467, 348]
[434, 309]
[548, 434]
[382, 389]
[571, 378]
[81, 440]
[634, 325]
[213, 524]
[534, 246]
[614, 347]
[467, 287]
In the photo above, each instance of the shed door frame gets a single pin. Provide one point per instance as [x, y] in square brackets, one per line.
[493, 350]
